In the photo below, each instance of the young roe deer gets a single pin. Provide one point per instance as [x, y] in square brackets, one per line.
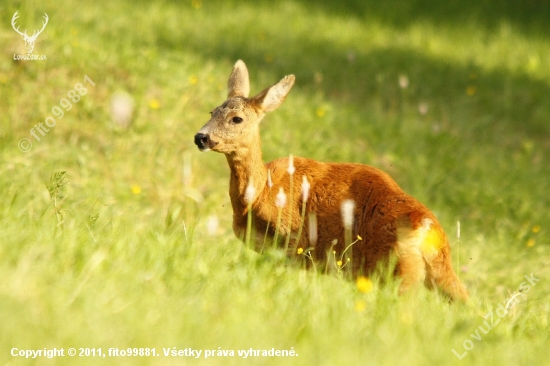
[388, 220]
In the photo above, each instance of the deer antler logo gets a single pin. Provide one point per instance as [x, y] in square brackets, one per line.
[29, 40]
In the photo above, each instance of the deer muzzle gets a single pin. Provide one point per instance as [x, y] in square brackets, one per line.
[203, 142]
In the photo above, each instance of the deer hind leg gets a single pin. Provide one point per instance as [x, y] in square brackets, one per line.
[424, 257]
[440, 274]
[419, 251]
[412, 246]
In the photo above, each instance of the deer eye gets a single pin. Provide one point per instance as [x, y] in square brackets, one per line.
[236, 120]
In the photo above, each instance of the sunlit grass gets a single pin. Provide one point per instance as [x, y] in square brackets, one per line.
[137, 248]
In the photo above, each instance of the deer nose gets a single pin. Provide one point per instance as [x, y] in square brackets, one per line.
[202, 141]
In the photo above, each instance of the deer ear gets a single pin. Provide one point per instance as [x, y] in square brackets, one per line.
[238, 84]
[271, 98]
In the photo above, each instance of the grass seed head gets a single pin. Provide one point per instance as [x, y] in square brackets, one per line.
[280, 202]
[291, 169]
[250, 193]
[305, 188]
[347, 213]
[269, 181]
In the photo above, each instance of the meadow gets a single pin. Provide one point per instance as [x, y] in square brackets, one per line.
[116, 231]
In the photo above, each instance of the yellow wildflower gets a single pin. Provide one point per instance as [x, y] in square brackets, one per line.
[364, 284]
[360, 305]
[471, 90]
[154, 104]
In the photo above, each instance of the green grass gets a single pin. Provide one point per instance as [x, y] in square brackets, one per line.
[128, 260]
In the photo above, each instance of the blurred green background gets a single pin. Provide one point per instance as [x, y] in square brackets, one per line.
[133, 246]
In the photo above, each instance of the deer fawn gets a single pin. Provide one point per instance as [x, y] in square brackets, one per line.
[388, 220]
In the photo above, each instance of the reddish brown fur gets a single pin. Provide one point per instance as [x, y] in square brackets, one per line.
[388, 220]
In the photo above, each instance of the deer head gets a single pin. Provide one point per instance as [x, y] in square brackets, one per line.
[29, 40]
[234, 125]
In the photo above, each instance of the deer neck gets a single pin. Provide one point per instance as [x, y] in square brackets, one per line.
[246, 166]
